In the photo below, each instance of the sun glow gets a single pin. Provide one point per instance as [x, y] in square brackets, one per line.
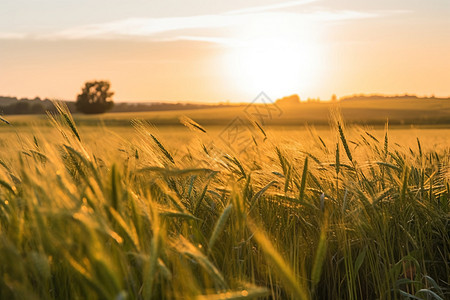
[276, 66]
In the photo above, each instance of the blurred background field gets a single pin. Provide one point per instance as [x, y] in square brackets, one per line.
[289, 124]
[365, 111]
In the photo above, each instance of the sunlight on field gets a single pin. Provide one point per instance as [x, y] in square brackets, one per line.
[110, 212]
[174, 136]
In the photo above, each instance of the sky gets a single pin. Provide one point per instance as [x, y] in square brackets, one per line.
[217, 51]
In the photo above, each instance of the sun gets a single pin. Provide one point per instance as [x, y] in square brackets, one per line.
[274, 65]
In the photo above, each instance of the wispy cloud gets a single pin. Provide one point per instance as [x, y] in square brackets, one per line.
[154, 27]
[214, 28]
[343, 15]
[12, 36]
[144, 27]
[271, 7]
[209, 39]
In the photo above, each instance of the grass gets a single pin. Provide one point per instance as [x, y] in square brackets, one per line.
[347, 216]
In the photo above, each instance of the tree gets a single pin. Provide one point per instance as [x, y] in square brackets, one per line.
[95, 98]
[289, 100]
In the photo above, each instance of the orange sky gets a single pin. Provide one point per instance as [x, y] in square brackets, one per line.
[189, 51]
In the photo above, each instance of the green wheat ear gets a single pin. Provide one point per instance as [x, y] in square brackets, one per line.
[64, 112]
[191, 124]
[163, 150]
[303, 182]
[220, 225]
[319, 258]
[281, 268]
[344, 142]
[4, 120]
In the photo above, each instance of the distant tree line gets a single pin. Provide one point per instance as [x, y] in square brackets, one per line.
[15, 106]
[24, 106]
[295, 99]
[380, 97]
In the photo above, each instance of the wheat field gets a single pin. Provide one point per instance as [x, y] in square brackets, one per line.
[187, 212]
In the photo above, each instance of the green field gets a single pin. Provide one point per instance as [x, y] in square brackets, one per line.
[112, 208]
